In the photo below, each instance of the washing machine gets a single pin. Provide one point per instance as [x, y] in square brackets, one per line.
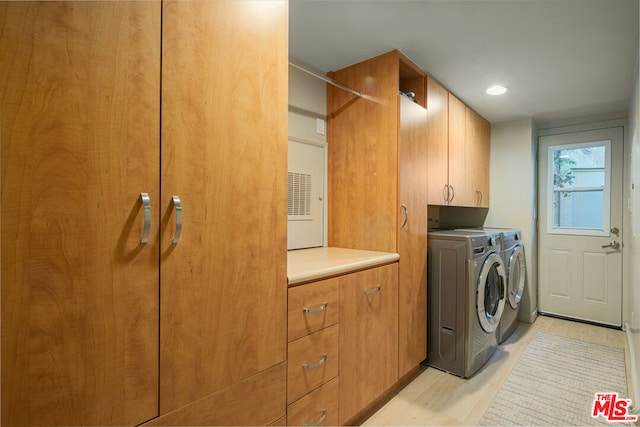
[467, 292]
[515, 265]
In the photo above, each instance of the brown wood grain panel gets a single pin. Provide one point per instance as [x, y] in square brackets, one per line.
[363, 156]
[368, 337]
[477, 140]
[464, 194]
[79, 101]
[224, 126]
[312, 296]
[438, 142]
[322, 402]
[319, 346]
[412, 291]
[255, 401]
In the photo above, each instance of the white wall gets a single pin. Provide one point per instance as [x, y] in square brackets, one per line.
[513, 196]
[632, 237]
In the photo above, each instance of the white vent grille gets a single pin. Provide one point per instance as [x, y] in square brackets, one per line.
[299, 194]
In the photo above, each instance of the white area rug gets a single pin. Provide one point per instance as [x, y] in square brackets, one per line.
[554, 384]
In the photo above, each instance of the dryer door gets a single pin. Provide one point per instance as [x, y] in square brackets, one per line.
[516, 276]
[491, 293]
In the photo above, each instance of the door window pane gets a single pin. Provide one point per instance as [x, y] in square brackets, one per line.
[579, 193]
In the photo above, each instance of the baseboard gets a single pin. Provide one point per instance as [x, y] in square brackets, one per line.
[634, 387]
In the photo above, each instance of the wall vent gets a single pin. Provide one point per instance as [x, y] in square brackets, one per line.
[299, 194]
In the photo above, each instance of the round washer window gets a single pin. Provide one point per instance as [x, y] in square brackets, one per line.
[491, 292]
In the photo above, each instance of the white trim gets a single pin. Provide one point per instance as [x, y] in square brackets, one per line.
[635, 375]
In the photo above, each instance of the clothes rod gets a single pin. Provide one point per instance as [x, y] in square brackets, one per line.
[324, 78]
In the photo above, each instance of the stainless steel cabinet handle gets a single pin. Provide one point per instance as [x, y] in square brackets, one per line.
[315, 309]
[318, 421]
[445, 192]
[146, 206]
[453, 193]
[178, 207]
[372, 291]
[315, 364]
[613, 245]
[406, 215]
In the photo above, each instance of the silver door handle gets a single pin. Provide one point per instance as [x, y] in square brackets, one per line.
[372, 291]
[318, 421]
[146, 206]
[453, 193]
[406, 215]
[613, 245]
[178, 208]
[322, 360]
[322, 307]
[445, 192]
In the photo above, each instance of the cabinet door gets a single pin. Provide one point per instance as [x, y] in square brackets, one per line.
[368, 337]
[477, 138]
[224, 153]
[79, 99]
[438, 142]
[462, 191]
[412, 291]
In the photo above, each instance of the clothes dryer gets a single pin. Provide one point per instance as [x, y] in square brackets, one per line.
[515, 264]
[467, 291]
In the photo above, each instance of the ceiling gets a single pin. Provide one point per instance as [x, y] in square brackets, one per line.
[560, 59]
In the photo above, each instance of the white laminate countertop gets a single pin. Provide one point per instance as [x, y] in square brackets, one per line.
[316, 263]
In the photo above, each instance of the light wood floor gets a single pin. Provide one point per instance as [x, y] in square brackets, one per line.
[436, 398]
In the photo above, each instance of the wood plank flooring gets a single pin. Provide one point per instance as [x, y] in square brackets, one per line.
[436, 398]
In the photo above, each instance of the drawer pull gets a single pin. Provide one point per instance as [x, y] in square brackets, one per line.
[315, 309]
[318, 421]
[315, 364]
[372, 291]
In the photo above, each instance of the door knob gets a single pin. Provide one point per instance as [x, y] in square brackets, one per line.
[615, 230]
[613, 245]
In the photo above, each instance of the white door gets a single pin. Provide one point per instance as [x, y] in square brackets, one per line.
[580, 201]
[306, 195]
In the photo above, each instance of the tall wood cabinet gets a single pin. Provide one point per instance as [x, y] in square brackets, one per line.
[100, 103]
[377, 180]
[458, 165]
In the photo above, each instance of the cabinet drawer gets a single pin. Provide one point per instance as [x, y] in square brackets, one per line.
[312, 307]
[317, 408]
[312, 361]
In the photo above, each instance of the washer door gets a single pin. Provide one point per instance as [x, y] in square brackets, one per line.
[516, 276]
[490, 298]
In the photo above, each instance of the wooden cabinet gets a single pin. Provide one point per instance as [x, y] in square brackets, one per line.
[97, 327]
[377, 179]
[478, 139]
[412, 237]
[458, 141]
[224, 144]
[79, 290]
[368, 338]
[313, 353]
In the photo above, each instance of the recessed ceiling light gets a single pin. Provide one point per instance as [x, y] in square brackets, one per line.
[496, 90]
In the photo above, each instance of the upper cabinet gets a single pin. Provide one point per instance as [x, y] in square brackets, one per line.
[458, 151]
[142, 276]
